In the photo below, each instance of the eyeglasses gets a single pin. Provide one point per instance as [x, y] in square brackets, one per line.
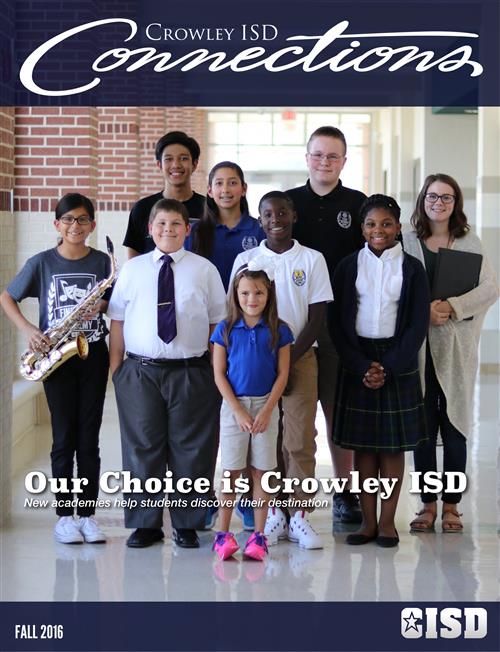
[69, 219]
[331, 158]
[432, 198]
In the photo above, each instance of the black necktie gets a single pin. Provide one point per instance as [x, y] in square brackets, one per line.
[167, 328]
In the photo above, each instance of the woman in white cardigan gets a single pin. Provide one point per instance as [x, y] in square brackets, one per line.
[449, 360]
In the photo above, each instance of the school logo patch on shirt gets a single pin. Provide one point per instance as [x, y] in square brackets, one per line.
[249, 242]
[299, 277]
[344, 219]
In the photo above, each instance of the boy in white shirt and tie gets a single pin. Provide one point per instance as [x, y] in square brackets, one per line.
[164, 307]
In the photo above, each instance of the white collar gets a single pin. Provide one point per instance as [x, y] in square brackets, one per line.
[176, 256]
[269, 252]
[387, 254]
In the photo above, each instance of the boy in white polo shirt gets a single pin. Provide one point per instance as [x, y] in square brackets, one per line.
[164, 307]
[302, 289]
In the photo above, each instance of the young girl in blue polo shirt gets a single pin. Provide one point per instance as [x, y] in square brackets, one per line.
[251, 365]
[226, 228]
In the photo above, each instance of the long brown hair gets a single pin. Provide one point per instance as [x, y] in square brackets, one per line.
[270, 313]
[204, 234]
[457, 225]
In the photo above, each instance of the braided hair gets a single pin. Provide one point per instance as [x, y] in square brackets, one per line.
[380, 201]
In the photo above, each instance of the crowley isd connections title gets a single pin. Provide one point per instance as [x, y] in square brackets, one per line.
[336, 50]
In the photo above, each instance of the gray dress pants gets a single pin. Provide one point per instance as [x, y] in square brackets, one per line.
[169, 416]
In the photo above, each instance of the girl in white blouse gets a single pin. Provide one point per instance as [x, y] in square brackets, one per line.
[378, 321]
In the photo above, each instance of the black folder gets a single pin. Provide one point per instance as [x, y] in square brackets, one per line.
[457, 272]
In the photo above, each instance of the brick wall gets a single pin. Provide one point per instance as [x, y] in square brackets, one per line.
[7, 268]
[118, 152]
[106, 153]
[56, 152]
[152, 125]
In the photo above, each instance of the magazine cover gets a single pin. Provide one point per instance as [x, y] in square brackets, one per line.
[234, 416]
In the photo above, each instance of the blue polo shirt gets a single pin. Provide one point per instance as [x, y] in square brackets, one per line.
[252, 366]
[228, 243]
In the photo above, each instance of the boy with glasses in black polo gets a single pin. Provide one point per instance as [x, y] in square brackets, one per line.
[327, 220]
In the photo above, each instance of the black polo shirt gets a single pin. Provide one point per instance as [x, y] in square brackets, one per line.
[137, 236]
[330, 224]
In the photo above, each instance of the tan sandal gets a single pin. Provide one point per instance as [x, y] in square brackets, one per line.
[451, 522]
[424, 522]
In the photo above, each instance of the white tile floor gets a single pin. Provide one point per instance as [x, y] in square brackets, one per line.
[425, 567]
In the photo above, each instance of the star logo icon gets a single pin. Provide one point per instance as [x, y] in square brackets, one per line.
[411, 622]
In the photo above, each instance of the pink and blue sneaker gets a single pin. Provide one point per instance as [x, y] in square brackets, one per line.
[256, 547]
[225, 545]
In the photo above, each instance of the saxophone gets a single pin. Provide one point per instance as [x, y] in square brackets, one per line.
[65, 340]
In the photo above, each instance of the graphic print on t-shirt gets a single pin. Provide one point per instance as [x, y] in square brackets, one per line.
[65, 292]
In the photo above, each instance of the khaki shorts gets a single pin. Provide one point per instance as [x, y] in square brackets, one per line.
[235, 444]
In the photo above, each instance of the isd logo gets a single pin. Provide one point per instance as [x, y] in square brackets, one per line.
[451, 622]
[249, 242]
[344, 219]
[299, 277]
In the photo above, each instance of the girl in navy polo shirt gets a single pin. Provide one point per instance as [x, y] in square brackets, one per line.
[226, 229]
[251, 365]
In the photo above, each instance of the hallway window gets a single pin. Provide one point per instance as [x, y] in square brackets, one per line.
[270, 145]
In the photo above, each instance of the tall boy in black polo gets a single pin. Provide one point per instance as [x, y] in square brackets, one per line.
[328, 221]
[177, 156]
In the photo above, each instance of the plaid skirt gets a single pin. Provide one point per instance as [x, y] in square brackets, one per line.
[390, 419]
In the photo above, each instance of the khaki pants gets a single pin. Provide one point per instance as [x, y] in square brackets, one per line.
[299, 413]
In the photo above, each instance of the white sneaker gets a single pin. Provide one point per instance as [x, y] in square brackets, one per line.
[276, 526]
[90, 531]
[300, 531]
[67, 530]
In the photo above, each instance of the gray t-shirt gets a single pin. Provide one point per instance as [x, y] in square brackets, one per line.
[59, 284]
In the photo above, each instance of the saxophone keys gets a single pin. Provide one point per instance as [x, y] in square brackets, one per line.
[55, 356]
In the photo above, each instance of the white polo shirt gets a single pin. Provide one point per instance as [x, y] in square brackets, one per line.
[301, 279]
[378, 289]
[200, 300]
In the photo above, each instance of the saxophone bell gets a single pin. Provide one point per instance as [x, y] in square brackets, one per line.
[82, 346]
[34, 367]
